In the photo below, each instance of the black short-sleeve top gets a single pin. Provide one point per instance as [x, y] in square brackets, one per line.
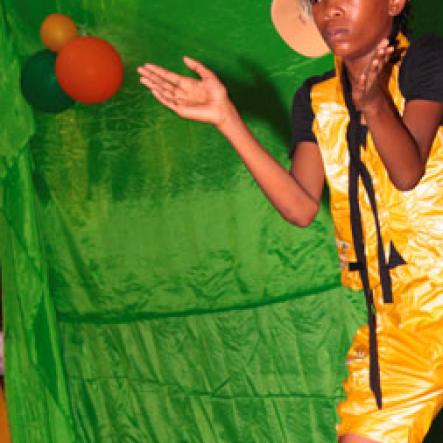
[420, 77]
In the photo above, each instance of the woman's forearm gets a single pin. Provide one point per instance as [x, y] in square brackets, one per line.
[281, 188]
[395, 144]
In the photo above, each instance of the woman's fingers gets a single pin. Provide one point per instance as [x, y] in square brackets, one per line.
[389, 51]
[166, 88]
[158, 79]
[181, 87]
[362, 82]
[163, 84]
[202, 99]
[199, 68]
[178, 106]
[160, 73]
[383, 44]
[373, 76]
[176, 96]
[377, 64]
[168, 102]
[383, 55]
[152, 82]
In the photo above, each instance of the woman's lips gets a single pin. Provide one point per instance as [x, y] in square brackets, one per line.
[336, 34]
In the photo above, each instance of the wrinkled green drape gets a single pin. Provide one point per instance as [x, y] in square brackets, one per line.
[151, 293]
[38, 403]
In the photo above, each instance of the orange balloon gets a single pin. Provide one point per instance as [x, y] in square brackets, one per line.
[56, 31]
[4, 428]
[89, 70]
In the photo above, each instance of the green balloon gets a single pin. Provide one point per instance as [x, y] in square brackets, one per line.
[40, 86]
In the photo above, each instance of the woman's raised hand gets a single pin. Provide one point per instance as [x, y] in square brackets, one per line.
[205, 99]
[366, 91]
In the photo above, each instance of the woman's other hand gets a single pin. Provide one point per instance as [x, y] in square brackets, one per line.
[204, 99]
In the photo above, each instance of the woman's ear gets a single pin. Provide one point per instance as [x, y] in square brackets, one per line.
[396, 6]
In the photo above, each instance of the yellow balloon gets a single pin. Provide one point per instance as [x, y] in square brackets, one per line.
[56, 31]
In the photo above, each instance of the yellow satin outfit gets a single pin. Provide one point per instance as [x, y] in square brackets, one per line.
[409, 331]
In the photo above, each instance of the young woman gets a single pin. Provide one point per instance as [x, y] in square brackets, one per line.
[373, 128]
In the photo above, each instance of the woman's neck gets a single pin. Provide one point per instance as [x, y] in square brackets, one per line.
[357, 66]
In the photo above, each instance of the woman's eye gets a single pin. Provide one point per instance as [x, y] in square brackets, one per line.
[314, 2]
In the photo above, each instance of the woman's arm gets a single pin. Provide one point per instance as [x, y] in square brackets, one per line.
[403, 142]
[295, 195]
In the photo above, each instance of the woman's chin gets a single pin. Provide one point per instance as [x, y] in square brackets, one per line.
[340, 49]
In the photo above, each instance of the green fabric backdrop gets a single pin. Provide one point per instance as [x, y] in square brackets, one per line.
[151, 293]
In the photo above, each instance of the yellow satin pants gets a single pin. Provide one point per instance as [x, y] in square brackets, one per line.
[410, 348]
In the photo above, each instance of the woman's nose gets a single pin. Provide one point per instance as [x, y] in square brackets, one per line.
[333, 8]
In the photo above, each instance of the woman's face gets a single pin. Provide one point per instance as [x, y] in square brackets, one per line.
[353, 28]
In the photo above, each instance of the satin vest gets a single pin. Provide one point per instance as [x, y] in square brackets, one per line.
[410, 223]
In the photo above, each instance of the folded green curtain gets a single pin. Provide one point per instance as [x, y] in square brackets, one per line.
[151, 293]
[38, 403]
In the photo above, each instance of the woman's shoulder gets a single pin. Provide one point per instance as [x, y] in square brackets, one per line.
[424, 46]
[427, 47]
[302, 96]
[316, 79]
[421, 70]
